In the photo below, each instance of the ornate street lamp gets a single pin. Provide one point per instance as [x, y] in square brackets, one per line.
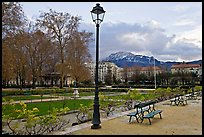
[97, 15]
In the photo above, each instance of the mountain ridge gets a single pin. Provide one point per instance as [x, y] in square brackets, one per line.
[128, 59]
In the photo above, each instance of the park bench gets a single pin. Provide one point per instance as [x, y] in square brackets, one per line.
[152, 114]
[137, 112]
[143, 107]
[199, 93]
[46, 93]
[192, 96]
[178, 100]
[27, 93]
[4, 94]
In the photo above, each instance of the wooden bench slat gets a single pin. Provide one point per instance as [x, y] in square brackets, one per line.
[151, 114]
[137, 112]
[132, 114]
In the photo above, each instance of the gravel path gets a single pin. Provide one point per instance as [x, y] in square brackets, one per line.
[176, 120]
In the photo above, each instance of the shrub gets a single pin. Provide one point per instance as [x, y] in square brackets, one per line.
[34, 124]
[198, 88]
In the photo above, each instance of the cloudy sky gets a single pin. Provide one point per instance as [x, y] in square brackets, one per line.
[169, 31]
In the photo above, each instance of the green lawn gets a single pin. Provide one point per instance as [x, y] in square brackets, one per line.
[23, 97]
[72, 104]
[45, 106]
[30, 97]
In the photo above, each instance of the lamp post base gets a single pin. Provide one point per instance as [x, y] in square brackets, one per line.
[96, 126]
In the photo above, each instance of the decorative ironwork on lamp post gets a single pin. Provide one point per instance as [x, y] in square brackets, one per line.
[97, 14]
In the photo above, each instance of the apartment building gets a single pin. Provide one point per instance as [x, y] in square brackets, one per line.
[148, 70]
[184, 67]
[104, 69]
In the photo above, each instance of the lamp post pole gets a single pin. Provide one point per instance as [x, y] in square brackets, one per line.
[96, 115]
[155, 81]
[97, 16]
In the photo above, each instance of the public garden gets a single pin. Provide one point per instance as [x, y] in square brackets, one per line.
[51, 85]
[53, 105]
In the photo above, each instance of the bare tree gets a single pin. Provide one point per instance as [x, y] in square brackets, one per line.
[20, 59]
[109, 76]
[60, 26]
[136, 72]
[78, 55]
[125, 74]
[38, 51]
[13, 18]
[13, 21]
[7, 64]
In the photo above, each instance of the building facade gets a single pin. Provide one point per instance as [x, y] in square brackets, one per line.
[105, 69]
[184, 67]
[148, 71]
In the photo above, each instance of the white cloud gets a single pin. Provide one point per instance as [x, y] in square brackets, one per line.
[183, 22]
[147, 40]
[149, 37]
[132, 38]
[153, 24]
[192, 36]
[179, 8]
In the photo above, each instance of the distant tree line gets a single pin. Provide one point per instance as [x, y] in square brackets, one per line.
[165, 78]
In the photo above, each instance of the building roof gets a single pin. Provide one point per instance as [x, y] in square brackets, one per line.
[148, 68]
[184, 65]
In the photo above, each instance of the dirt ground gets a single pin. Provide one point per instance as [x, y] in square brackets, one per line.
[176, 120]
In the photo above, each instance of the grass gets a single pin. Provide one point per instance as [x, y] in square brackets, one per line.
[73, 104]
[23, 97]
[30, 97]
[45, 106]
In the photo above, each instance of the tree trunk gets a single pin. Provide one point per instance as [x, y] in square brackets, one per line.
[34, 79]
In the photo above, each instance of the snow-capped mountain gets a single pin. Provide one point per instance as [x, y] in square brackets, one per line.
[127, 59]
[123, 59]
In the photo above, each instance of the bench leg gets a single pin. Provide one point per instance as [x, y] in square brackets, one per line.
[139, 119]
[130, 119]
[183, 103]
[160, 115]
[149, 121]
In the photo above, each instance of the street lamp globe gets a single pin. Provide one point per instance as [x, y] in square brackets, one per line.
[97, 14]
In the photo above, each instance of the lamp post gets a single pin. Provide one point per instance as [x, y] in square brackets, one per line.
[155, 81]
[97, 14]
